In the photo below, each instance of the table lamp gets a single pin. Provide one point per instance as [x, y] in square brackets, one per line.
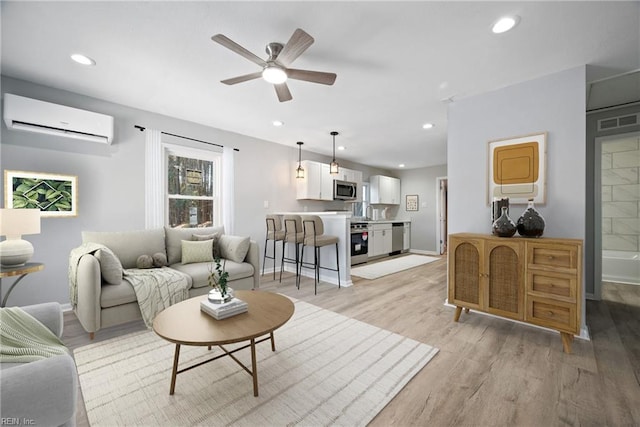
[14, 223]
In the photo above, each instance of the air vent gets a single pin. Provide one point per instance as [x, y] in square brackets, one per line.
[619, 122]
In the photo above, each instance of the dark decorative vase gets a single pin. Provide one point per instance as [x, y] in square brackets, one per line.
[530, 223]
[504, 226]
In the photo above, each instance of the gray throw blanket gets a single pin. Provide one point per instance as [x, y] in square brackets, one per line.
[157, 289]
[23, 338]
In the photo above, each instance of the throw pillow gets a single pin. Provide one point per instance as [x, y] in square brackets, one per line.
[144, 261]
[215, 237]
[110, 266]
[159, 259]
[197, 251]
[234, 248]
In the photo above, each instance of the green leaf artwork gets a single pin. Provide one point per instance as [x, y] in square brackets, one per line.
[44, 194]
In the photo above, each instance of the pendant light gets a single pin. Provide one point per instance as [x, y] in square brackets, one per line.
[333, 167]
[300, 170]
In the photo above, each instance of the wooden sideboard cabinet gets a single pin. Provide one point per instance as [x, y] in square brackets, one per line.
[534, 280]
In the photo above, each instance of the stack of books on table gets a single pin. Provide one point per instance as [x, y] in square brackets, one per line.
[224, 310]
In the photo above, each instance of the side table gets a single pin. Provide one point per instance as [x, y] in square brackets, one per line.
[22, 271]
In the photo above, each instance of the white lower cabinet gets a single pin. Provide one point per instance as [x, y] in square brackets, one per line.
[382, 239]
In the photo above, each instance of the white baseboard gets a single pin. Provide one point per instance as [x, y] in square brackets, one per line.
[422, 252]
[66, 307]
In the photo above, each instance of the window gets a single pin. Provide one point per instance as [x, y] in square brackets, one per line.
[193, 187]
[360, 208]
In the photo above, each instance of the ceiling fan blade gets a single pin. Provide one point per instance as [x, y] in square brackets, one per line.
[297, 44]
[231, 45]
[240, 79]
[283, 92]
[312, 76]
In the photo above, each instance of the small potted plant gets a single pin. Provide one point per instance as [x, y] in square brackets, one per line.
[218, 277]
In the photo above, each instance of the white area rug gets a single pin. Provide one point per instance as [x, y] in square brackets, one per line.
[383, 268]
[328, 369]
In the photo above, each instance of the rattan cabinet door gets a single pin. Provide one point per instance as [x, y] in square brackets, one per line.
[504, 267]
[465, 275]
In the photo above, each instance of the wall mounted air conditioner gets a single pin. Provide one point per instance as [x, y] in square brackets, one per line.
[32, 115]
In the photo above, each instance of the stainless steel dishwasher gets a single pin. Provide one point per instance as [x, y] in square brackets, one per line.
[397, 236]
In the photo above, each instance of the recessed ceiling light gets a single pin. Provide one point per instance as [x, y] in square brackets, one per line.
[278, 123]
[505, 23]
[82, 59]
[401, 165]
[342, 148]
[428, 126]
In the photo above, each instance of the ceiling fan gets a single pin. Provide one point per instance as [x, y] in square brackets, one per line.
[275, 68]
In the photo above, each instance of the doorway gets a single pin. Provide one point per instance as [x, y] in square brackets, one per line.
[441, 214]
[616, 213]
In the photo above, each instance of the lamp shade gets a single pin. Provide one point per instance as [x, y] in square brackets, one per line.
[18, 222]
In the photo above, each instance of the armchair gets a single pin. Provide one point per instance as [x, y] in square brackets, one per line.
[43, 392]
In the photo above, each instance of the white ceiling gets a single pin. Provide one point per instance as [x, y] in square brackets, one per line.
[398, 63]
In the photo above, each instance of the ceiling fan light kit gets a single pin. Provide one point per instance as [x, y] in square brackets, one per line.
[275, 68]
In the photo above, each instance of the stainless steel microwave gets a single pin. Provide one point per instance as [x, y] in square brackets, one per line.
[344, 190]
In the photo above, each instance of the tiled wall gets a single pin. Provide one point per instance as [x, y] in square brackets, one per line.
[621, 194]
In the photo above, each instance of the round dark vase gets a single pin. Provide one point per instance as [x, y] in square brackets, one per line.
[530, 223]
[504, 226]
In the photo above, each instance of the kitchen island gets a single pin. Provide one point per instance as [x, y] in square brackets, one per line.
[336, 223]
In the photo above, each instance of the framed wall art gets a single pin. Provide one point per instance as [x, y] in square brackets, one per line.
[55, 195]
[412, 202]
[517, 169]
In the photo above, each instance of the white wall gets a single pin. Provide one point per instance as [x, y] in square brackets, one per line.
[423, 221]
[555, 104]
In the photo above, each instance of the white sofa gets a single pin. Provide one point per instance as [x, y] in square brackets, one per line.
[101, 304]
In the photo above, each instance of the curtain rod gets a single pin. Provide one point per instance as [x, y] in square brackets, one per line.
[142, 129]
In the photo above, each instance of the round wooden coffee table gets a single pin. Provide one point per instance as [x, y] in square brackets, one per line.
[185, 324]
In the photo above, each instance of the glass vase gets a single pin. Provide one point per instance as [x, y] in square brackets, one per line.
[504, 226]
[530, 223]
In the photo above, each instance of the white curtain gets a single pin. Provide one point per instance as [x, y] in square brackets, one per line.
[228, 200]
[153, 182]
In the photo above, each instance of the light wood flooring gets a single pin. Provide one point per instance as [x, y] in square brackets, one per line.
[489, 371]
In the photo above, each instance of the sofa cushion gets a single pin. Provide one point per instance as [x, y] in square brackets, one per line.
[197, 251]
[215, 237]
[199, 272]
[114, 295]
[128, 245]
[175, 236]
[234, 248]
[110, 266]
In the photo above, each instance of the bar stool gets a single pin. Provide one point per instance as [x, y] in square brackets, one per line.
[314, 236]
[293, 235]
[275, 234]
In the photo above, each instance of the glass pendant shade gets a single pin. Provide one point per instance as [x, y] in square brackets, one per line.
[300, 169]
[334, 167]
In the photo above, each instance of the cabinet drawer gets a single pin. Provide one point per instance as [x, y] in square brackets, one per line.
[552, 314]
[552, 285]
[552, 255]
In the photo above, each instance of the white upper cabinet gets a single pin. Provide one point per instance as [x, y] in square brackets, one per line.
[317, 183]
[384, 190]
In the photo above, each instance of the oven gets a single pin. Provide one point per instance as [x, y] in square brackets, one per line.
[359, 242]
